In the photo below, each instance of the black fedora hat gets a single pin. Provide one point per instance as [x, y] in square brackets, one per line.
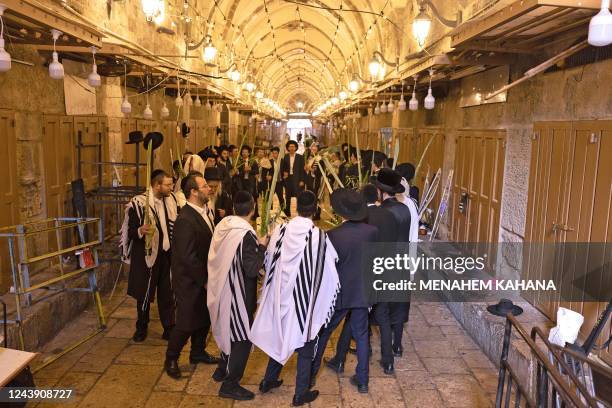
[349, 204]
[213, 173]
[504, 307]
[291, 142]
[134, 137]
[155, 138]
[185, 129]
[389, 181]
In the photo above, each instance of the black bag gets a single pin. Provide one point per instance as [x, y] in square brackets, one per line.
[24, 378]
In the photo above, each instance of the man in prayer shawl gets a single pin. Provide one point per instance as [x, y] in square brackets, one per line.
[150, 272]
[236, 255]
[298, 297]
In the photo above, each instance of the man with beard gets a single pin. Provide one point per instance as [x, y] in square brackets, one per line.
[247, 171]
[192, 236]
[224, 166]
[150, 273]
[265, 169]
[313, 176]
[293, 173]
[219, 199]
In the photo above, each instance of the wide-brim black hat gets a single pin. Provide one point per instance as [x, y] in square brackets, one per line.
[291, 142]
[185, 129]
[207, 153]
[134, 137]
[406, 170]
[504, 307]
[389, 181]
[155, 138]
[212, 173]
[349, 204]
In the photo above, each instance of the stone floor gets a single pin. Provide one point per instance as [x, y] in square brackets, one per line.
[441, 367]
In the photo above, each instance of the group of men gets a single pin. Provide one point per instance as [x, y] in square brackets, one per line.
[205, 268]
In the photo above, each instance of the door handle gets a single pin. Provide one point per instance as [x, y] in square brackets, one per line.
[561, 227]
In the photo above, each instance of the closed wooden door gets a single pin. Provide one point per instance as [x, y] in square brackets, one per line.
[479, 170]
[431, 160]
[570, 200]
[9, 198]
[93, 140]
[129, 152]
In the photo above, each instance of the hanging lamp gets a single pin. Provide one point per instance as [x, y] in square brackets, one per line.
[414, 102]
[5, 57]
[126, 106]
[94, 79]
[401, 105]
[56, 69]
[430, 101]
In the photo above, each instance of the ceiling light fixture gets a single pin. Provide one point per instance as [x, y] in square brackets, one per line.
[178, 101]
[422, 22]
[343, 95]
[126, 106]
[153, 10]
[401, 105]
[210, 52]
[430, 101]
[600, 27]
[148, 113]
[414, 102]
[56, 69]
[354, 83]
[383, 107]
[94, 79]
[390, 106]
[377, 109]
[5, 57]
[374, 66]
[165, 112]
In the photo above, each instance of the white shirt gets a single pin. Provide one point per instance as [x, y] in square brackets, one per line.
[161, 214]
[205, 213]
[291, 161]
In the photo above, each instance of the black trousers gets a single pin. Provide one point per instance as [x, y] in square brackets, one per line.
[304, 366]
[160, 283]
[234, 364]
[292, 189]
[383, 318]
[279, 195]
[178, 339]
[344, 341]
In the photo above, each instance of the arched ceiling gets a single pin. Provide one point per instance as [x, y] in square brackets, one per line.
[300, 50]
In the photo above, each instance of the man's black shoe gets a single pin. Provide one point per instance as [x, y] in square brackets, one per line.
[219, 375]
[237, 393]
[313, 381]
[387, 367]
[166, 333]
[266, 386]
[398, 350]
[139, 336]
[337, 366]
[172, 369]
[362, 388]
[203, 358]
[305, 398]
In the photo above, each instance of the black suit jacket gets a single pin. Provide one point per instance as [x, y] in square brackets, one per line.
[385, 222]
[298, 168]
[190, 245]
[348, 240]
[402, 218]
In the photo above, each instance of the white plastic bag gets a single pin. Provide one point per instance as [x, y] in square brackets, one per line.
[567, 328]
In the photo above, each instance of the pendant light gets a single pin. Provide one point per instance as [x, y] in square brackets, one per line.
[390, 106]
[126, 106]
[383, 107]
[354, 84]
[178, 101]
[165, 112]
[94, 79]
[600, 27]
[414, 102]
[377, 109]
[401, 105]
[148, 113]
[5, 57]
[421, 26]
[56, 69]
[207, 106]
[198, 102]
[430, 101]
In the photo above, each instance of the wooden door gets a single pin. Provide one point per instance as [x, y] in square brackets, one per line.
[403, 136]
[93, 134]
[479, 170]
[129, 152]
[570, 184]
[431, 160]
[9, 197]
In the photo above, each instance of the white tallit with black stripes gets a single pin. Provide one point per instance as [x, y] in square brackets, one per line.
[299, 291]
[138, 204]
[225, 288]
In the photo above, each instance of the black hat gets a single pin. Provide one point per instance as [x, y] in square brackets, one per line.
[291, 142]
[134, 137]
[185, 129]
[406, 170]
[207, 153]
[379, 157]
[306, 201]
[389, 181]
[155, 138]
[221, 149]
[213, 173]
[349, 204]
[504, 307]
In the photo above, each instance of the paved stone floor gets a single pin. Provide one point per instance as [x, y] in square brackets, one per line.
[441, 367]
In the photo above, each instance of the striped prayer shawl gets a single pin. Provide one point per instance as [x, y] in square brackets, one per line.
[238, 327]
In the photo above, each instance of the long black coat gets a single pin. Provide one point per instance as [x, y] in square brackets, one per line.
[402, 218]
[385, 222]
[190, 246]
[348, 239]
[298, 170]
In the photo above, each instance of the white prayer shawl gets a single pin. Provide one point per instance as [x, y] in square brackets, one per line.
[296, 301]
[225, 289]
[138, 204]
[414, 219]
